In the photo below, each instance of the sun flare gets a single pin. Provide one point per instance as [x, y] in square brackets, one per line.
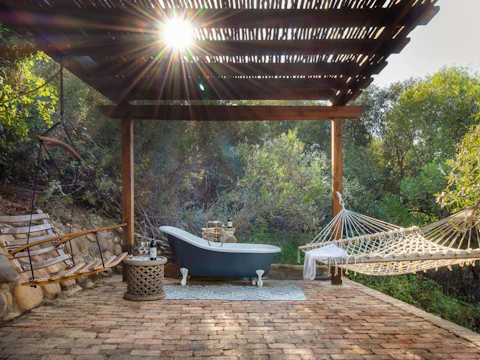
[178, 34]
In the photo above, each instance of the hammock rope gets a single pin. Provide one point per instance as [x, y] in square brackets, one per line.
[375, 247]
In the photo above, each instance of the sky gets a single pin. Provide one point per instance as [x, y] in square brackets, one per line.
[451, 38]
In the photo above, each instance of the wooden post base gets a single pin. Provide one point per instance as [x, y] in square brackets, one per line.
[336, 279]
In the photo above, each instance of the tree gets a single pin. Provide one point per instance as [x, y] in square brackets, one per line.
[429, 118]
[463, 187]
[419, 190]
[26, 98]
[419, 134]
[284, 186]
[27, 103]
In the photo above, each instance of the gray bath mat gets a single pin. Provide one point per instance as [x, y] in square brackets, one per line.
[234, 293]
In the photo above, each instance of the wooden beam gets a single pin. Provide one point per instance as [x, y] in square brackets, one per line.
[156, 82]
[243, 84]
[161, 67]
[170, 88]
[151, 75]
[259, 92]
[136, 45]
[392, 33]
[200, 88]
[128, 214]
[392, 47]
[337, 160]
[231, 113]
[424, 17]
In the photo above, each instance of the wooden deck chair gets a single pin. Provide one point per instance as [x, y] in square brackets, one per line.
[30, 243]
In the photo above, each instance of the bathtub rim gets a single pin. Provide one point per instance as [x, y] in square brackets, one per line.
[247, 248]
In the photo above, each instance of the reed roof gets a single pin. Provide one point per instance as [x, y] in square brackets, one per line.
[242, 50]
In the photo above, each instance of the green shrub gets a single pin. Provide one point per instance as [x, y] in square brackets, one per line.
[288, 241]
[284, 185]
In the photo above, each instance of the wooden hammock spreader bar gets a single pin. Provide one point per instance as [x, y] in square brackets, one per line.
[26, 229]
[65, 237]
[52, 280]
[366, 237]
[80, 270]
[46, 263]
[71, 150]
[20, 242]
[71, 271]
[23, 218]
[93, 266]
[33, 252]
[108, 261]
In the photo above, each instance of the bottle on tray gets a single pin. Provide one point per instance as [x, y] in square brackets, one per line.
[153, 250]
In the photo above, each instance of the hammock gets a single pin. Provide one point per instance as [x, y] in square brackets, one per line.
[24, 237]
[22, 241]
[370, 246]
[32, 239]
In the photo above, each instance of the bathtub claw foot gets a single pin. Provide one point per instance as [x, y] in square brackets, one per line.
[260, 273]
[184, 273]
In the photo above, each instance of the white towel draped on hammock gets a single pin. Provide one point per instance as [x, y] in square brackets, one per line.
[321, 254]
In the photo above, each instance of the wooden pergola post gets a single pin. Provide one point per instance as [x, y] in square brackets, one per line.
[337, 160]
[127, 185]
[337, 163]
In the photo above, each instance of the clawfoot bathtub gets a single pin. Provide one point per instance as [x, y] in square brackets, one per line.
[198, 257]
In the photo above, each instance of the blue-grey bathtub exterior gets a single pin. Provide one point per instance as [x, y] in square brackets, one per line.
[202, 261]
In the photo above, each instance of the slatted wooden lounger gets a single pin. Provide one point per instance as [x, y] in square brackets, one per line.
[31, 243]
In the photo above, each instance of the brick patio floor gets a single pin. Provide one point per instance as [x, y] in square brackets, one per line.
[346, 322]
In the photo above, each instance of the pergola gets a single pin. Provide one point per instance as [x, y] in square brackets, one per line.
[243, 50]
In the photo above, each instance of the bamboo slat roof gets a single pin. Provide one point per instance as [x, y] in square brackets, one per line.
[242, 50]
